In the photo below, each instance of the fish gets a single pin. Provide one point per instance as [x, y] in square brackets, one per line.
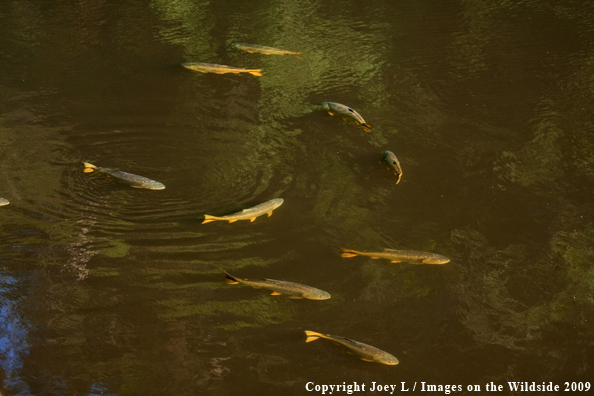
[134, 180]
[251, 48]
[397, 256]
[4, 201]
[392, 161]
[365, 352]
[219, 69]
[278, 287]
[345, 112]
[249, 213]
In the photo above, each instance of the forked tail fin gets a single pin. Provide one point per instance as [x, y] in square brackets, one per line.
[366, 127]
[231, 280]
[349, 253]
[298, 55]
[256, 72]
[209, 218]
[312, 336]
[89, 167]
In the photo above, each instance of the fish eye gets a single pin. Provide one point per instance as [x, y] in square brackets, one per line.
[351, 110]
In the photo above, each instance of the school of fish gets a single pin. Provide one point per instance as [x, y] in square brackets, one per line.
[293, 290]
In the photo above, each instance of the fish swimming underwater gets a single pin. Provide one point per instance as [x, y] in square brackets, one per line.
[249, 213]
[365, 352]
[393, 163]
[397, 256]
[345, 112]
[4, 201]
[251, 48]
[291, 289]
[220, 69]
[134, 180]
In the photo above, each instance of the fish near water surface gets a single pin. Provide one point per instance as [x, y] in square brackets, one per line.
[261, 49]
[278, 287]
[4, 201]
[219, 69]
[365, 352]
[249, 213]
[134, 180]
[346, 113]
[397, 256]
[393, 163]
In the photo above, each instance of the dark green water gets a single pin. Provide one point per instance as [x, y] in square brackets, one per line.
[106, 289]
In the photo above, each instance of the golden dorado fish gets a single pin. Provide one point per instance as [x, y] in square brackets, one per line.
[278, 287]
[134, 180]
[345, 112]
[393, 163]
[220, 69]
[397, 256]
[251, 48]
[363, 351]
[248, 214]
[4, 201]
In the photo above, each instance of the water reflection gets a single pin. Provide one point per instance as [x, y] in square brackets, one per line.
[485, 104]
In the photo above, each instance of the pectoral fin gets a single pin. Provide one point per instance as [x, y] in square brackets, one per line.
[269, 213]
[88, 170]
[394, 261]
[348, 255]
[275, 293]
[331, 113]
[367, 360]
[232, 221]
[252, 219]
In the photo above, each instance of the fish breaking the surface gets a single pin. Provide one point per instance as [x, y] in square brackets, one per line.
[365, 352]
[134, 180]
[393, 163]
[219, 69]
[261, 49]
[397, 256]
[291, 289]
[345, 112]
[248, 214]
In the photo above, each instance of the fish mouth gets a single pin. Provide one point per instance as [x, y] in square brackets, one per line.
[156, 187]
[319, 297]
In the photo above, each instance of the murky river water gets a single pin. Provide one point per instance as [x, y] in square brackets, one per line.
[107, 289]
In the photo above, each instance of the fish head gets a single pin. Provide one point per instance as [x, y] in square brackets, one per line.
[387, 359]
[277, 202]
[437, 259]
[189, 65]
[325, 105]
[317, 295]
[153, 185]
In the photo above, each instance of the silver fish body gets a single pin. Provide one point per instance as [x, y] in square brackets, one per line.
[346, 113]
[397, 256]
[291, 289]
[365, 352]
[129, 178]
[261, 49]
[393, 163]
[249, 213]
[219, 69]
